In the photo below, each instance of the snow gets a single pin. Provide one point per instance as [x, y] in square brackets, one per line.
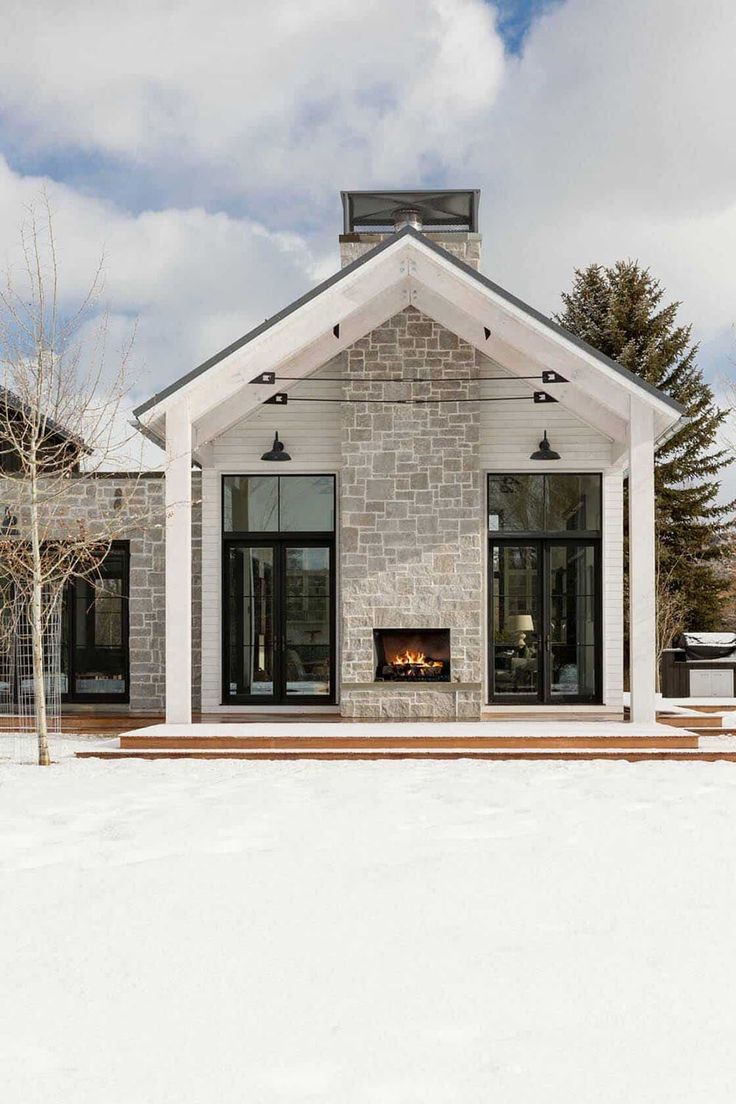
[367, 933]
[405, 731]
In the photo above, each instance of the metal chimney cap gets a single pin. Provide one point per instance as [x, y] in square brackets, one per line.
[407, 216]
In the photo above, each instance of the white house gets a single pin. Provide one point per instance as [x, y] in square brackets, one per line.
[440, 529]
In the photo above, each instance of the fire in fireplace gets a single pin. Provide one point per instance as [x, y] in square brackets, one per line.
[412, 655]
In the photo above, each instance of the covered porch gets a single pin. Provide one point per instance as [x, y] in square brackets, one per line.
[193, 416]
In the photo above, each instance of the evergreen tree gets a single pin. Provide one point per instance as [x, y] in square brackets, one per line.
[620, 311]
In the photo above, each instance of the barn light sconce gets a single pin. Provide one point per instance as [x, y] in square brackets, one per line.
[545, 450]
[277, 451]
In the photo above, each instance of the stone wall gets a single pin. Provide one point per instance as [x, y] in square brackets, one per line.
[137, 504]
[410, 531]
[461, 244]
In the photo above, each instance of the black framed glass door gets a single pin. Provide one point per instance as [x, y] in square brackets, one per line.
[573, 621]
[545, 621]
[95, 632]
[278, 623]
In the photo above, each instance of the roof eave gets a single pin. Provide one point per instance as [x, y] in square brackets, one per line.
[664, 402]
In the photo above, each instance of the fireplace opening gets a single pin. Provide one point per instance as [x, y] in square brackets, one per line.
[412, 655]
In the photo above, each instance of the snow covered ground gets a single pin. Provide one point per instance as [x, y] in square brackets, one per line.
[367, 933]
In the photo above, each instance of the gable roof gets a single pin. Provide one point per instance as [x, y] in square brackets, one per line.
[468, 270]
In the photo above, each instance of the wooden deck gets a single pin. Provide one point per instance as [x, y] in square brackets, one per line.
[88, 723]
[576, 737]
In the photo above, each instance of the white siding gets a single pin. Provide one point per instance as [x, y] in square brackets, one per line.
[311, 434]
[613, 589]
[509, 433]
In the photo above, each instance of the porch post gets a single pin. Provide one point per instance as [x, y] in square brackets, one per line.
[642, 576]
[178, 565]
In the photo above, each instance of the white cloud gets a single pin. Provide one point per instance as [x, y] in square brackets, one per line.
[612, 136]
[194, 281]
[296, 92]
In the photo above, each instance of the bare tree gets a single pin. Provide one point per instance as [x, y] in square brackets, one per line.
[62, 406]
[671, 607]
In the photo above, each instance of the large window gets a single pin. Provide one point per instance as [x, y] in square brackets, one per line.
[278, 503]
[544, 587]
[544, 503]
[278, 588]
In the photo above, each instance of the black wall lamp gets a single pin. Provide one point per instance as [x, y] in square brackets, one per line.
[277, 450]
[545, 450]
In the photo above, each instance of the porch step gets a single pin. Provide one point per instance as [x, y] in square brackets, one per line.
[629, 756]
[408, 744]
[700, 722]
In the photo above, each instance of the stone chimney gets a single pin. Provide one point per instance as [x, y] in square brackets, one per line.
[449, 218]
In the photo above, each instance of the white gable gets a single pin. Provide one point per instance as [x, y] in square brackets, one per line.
[408, 270]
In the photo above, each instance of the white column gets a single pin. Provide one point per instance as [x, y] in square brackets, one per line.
[178, 565]
[642, 586]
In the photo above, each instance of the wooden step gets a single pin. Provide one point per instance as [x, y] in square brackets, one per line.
[631, 756]
[410, 743]
[703, 721]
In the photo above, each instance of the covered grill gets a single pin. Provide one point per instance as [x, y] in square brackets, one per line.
[702, 666]
[709, 645]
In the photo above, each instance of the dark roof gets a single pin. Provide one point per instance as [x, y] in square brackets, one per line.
[457, 210]
[409, 231]
[13, 402]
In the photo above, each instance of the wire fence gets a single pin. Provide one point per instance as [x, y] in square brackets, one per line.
[18, 730]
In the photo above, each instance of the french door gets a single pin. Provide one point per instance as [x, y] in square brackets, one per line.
[95, 632]
[278, 599]
[545, 621]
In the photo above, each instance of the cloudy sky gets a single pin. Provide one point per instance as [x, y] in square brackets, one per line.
[203, 147]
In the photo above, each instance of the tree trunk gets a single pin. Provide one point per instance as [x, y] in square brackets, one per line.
[37, 634]
[39, 685]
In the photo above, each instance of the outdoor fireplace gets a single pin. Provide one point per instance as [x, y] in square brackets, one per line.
[412, 655]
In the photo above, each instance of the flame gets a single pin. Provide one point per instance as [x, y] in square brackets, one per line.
[415, 659]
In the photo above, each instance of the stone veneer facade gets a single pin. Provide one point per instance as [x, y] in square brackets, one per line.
[410, 528]
[147, 601]
[460, 243]
[142, 497]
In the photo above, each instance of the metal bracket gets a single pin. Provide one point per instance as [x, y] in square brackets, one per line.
[279, 399]
[265, 377]
[543, 397]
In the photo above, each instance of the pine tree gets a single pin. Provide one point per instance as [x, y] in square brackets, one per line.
[620, 311]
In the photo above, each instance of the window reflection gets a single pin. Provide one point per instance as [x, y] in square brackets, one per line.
[548, 502]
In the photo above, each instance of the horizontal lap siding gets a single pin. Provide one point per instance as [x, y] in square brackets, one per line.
[311, 434]
[613, 586]
[511, 431]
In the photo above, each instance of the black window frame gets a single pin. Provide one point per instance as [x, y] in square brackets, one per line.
[278, 534]
[279, 541]
[543, 539]
[70, 697]
[544, 534]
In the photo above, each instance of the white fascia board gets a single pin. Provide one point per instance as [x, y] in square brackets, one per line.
[378, 278]
[516, 326]
[516, 363]
[250, 397]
